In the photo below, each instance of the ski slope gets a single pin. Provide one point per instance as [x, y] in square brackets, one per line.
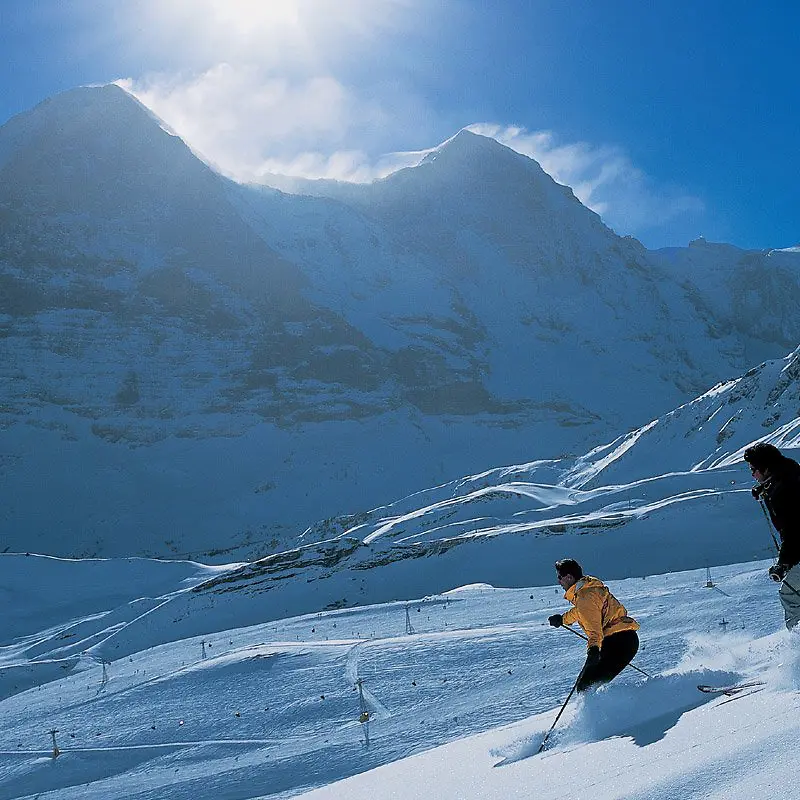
[454, 684]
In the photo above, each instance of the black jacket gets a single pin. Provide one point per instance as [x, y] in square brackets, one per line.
[781, 494]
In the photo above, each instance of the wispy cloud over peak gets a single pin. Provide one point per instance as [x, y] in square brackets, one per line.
[604, 178]
[243, 119]
[249, 122]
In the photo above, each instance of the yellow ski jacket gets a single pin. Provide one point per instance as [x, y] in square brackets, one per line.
[596, 610]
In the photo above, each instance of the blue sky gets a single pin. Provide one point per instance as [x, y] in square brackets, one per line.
[672, 119]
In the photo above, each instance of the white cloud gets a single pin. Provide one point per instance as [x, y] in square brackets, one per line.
[603, 178]
[249, 122]
[234, 114]
[354, 166]
[258, 85]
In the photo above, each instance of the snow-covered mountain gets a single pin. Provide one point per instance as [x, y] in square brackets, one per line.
[360, 665]
[192, 368]
[675, 492]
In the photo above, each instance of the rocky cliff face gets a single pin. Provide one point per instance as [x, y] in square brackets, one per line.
[194, 367]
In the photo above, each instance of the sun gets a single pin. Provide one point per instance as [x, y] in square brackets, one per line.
[260, 31]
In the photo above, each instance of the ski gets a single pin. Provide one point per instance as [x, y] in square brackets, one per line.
[740, 695]
[732, 688]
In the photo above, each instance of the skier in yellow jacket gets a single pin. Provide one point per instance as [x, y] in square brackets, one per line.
[611, 633]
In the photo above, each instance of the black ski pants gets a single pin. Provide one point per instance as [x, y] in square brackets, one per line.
[616, 652]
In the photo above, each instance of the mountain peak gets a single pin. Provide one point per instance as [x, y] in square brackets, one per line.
[465, 142]
[467, 148]
[88, 148]
[488, 180]
[481, 158]
[104, 120]
[88, 99]
[78, 110]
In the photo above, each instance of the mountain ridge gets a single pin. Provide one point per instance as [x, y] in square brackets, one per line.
[339, 350]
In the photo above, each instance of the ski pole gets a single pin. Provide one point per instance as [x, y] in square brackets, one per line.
[775, 541]
[631, 664]
[547, 735]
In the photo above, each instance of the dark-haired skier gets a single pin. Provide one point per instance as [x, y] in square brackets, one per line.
[778, 487]
[611, 633]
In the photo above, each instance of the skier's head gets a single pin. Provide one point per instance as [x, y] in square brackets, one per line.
[568, 571]
[764, 458]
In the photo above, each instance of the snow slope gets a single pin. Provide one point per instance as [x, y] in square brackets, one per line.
[176, 680]
[454, 684]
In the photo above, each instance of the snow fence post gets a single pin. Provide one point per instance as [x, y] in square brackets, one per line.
[362, 703]
[409, 626]
[363, 717]
[56, 751]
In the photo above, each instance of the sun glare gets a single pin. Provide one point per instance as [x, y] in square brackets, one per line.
[246, 16]
[262, 31]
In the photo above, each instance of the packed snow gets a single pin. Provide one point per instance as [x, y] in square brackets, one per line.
[458, 689]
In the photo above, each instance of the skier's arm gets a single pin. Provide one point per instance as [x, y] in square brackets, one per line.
[783, 505]
[568, 617]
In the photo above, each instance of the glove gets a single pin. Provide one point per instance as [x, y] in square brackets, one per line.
[592, 656]
[778, 572]
[556, 620]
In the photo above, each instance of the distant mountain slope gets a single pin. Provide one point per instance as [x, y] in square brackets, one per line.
[708, 432]
[191, 367]
[670, 495]
[752, 293]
